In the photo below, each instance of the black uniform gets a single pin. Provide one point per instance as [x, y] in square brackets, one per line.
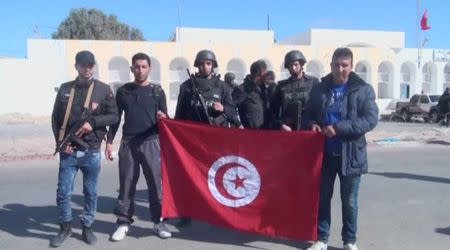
[139, 147]
[290, 96]
[212, 90]
[102, 104]
[253, 102]
[444, 103]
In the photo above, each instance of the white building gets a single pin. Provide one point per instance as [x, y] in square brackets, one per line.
[28, 85]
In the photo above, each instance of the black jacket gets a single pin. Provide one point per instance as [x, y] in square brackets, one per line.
[289, 93]
[253, 103]
[140, 104]
[212, 90]
[102, 105]
[444, 103]
[359, 116]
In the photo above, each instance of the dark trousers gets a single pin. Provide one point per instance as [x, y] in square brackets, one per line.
[349, 186]
[132, 156]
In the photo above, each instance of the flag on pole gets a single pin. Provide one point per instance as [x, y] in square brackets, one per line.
[424, 21]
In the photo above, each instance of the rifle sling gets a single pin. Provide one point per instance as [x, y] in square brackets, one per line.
[63, 128]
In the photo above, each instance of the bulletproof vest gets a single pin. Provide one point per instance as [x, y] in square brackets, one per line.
[296, 91]
[211, 91]
[296, 94]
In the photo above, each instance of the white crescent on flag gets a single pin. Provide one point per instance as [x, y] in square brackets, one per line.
[234, 181]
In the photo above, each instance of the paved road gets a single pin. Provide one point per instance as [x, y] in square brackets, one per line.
[404, 204]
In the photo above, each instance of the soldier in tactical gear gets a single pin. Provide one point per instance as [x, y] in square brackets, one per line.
[217, 97]
[229, 80]
[291, 94]
[219, 109]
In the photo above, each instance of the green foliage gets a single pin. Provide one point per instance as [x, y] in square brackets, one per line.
[92, 24]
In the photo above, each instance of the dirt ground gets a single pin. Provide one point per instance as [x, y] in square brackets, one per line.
[27, 137]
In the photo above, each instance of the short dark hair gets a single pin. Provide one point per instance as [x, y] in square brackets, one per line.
[141, 56]
[342, 52]
[258, 67]
[270, 75]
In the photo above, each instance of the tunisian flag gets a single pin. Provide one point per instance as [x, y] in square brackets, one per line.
[424, 21]
[264, 182]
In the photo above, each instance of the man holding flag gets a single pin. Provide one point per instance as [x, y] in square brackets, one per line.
[205, 98]
[343, 108]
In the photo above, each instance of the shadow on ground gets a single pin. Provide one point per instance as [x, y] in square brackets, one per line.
[444, 230]
[204, 232]
[398, 175]
[438, 142]
[40, 222]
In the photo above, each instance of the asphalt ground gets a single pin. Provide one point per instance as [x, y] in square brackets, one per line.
[404, 204]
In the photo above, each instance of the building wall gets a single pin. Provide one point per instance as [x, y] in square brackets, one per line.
[19, 89]
[380, 39]
[51, 62]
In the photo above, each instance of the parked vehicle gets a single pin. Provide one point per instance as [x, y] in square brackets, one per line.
[434, 114]
[418, 106]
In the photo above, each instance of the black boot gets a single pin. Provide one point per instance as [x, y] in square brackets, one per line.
[64, 232]
[88, 236]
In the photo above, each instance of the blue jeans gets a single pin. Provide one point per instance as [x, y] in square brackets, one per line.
[349, 186]
[89, 163]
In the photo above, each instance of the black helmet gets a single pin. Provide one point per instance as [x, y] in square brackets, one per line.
[292, 56]
[203, 55]
[229, 77]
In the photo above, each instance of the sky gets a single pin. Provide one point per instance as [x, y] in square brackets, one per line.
[21, 20]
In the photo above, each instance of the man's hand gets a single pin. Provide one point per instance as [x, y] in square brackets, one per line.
[316, 128]
[329, 131]
[217, 106]
[160, 115]
[109, 152]
[86, 128]
[68, 149]
[285, 127]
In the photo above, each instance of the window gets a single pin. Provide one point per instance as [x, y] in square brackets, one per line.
[424, 99]
[434, 98]
[415, 99]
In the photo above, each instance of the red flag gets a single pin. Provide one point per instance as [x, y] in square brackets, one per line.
[264, 182]
[424, 21]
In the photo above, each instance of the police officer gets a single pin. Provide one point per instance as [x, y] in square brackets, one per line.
[229, 80]
[251, 98]
[143, 103]
[85, 107]
[217, 107]
[291, 94]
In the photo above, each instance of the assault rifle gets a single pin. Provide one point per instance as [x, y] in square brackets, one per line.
[200, 99]
[294, 114]
[71, 134]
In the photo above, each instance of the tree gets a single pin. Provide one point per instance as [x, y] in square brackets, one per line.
[92, 24]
